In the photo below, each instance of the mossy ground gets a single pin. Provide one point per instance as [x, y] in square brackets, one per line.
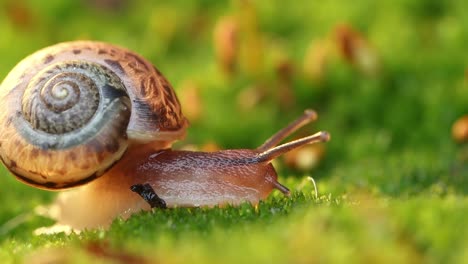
[392, 183]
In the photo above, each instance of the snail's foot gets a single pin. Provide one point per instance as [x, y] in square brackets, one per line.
[149, 195]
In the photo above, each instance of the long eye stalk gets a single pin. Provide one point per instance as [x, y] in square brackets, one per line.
[268, 151]
[308, 116]
[272, 153]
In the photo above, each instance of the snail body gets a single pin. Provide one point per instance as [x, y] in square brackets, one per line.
[181, 179]
[94, 114]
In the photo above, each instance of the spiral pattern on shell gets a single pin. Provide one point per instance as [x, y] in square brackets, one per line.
[72, 109]
[56, 94]
[72, 96]
[69, 111]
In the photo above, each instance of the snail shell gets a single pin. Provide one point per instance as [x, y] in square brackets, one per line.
[71, 110]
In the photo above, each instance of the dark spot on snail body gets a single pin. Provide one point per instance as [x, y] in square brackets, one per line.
[115, 65]
[102, 51]
[48, 59]
[76, 51]
[13, 164]
[43, 177]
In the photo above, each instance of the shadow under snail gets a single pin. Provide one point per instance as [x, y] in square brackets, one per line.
[101, 118]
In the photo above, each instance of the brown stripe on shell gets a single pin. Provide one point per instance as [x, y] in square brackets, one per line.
[153, 87]
[34, 153]
[62, 171]
[72, 156]
[53, 185]
[136, 58]
[149, 88]
[143, 88]
[168, 89]
[113, 52]
[48, 59]
[50, 185]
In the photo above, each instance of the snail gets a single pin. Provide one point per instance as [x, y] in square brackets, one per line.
[99, 119]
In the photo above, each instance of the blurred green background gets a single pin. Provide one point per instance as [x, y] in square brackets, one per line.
[388, 79]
